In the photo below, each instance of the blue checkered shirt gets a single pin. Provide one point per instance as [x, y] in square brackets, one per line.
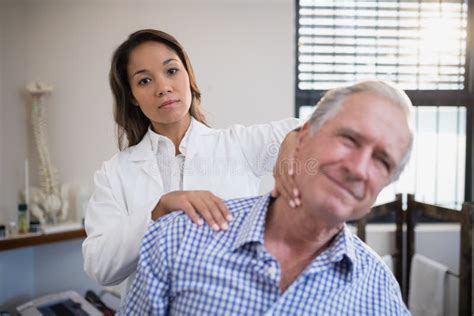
[185, 269]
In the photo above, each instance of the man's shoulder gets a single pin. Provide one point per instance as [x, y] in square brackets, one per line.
[364, 250]
[161, 231]
[235, 206]
[165, 222]
[380, 280]
[240, 205]
[174, 226]
[370, 260]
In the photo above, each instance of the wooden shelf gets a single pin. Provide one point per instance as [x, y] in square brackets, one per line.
[39, 239]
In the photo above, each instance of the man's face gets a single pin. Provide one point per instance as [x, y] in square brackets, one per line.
[357, 153]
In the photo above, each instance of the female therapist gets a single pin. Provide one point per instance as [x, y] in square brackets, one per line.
[170, 156]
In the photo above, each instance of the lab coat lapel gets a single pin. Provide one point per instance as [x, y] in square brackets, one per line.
[144, 157]
[199, 129]
[190, 173]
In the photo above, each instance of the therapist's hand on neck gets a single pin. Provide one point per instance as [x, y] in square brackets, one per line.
[284, 171]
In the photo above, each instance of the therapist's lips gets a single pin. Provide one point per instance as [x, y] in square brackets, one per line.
[168, 104]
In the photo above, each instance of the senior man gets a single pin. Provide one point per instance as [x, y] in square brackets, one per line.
[275, 260]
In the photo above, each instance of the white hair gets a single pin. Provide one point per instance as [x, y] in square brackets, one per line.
[333, 99]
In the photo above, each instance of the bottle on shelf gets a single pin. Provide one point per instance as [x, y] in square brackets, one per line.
[23, 219]
[35, 226]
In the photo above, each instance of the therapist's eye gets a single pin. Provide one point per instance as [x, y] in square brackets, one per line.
[144, 81]
[172, 71]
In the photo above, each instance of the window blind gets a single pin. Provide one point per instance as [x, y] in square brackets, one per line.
[421, 45]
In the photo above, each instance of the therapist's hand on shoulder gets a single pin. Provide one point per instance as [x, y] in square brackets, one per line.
[198, 205]
[284, 171]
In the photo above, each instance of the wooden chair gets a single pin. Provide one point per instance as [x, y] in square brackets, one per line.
[462, 217]
[384, 210]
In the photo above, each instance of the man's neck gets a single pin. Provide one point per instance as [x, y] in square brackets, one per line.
[297, 227]
[295, 237]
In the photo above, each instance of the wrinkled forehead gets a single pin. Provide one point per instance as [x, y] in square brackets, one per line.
[376, 120]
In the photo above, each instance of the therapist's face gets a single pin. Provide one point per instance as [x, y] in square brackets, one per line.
[160, 84]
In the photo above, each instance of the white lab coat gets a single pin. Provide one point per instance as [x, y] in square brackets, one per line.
[228, 162]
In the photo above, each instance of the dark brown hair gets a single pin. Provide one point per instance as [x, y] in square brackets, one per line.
[131, 122]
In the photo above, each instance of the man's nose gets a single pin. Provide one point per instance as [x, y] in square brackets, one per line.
[358, 163]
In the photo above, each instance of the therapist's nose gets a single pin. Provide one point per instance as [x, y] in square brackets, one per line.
[163, 87]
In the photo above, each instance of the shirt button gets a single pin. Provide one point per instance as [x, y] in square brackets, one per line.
[272, 271]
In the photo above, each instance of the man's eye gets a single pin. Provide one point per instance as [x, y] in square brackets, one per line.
[349, 139]
[144, 81]
[385, 164]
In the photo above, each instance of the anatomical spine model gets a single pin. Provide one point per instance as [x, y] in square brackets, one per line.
[49, 202]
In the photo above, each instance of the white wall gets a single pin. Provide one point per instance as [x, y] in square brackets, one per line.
[13, 138]
[242, 53]
[2, 114]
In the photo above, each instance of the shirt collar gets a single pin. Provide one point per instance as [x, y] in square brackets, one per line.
[158, 140]
[253, 228]
[342, 245]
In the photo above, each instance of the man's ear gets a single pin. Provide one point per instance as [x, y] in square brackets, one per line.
[303, 133]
